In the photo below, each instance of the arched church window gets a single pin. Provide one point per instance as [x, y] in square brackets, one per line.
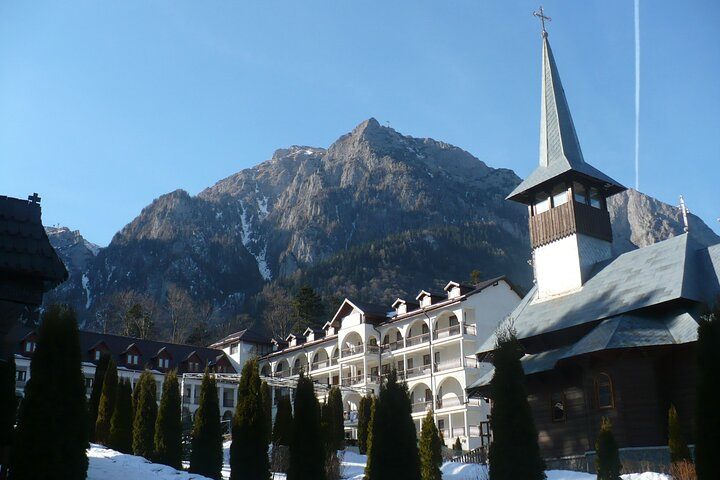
[604, 391]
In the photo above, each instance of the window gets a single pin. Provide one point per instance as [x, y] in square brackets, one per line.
[228, 397]
[426, 360]
[557, 406]
[595, 198]
[193, 366]
[132, 359]
[401, 365]
[580, 193]
[21, 375]
[233, 348]
[88, 382]
[425, 328]
[164, 362]
[98, 354]
[560, 198]
[604, 391]
[542, 203]
[29, 347]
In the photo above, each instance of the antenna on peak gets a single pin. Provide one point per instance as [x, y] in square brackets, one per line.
[541, 15]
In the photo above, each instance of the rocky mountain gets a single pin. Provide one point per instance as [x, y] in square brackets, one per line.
[376, 215]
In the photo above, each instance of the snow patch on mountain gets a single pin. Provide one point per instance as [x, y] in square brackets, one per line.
[86, 288]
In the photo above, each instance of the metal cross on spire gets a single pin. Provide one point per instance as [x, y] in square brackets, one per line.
[541, 15]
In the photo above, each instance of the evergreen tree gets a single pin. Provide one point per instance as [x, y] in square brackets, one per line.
[308, 307]
[707, 421]
[370, 436]
[457, 446]
[8, 410]
[107, 404]
[52, 433]
[206, 456]
[364, 411]
[121, 424]
[96, 393]
[249, 448]
[430, 450]
[393, 435]
[266, 400]
[307, 458]
[168, 427]
[511, 418]
[282, 431]
[676, 440]
[607, 457]
[335, 420]
[145, 416]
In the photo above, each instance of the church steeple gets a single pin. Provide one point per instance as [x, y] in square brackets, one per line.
[566, 197]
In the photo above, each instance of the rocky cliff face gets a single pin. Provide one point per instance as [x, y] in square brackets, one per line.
[409, 212]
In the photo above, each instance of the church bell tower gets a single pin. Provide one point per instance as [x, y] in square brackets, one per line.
[566, 197]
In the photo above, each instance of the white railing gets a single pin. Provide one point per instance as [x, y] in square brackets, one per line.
[416, 372]
[346, 382]
[449, 402]
[320, 364]
[417, 339]
[421, 406]
[392, 346]
[352, 350]
[450, 331]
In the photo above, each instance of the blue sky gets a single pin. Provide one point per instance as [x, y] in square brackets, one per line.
[105, 106]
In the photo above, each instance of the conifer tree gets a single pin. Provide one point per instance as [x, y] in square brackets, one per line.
[511, 418]
[282, 431]
[336, 420]
[607, 457]
[707, 420]
[96, 393]
[393, 435]
[679, 450]
[308, 307]
[121, 424]
[7, 410]
[369, 443]
[168, 427]
[145, 416]
[364, 411]
[457, 446]
[249, 448]
[430, 449]
[307, 458]
[266, 400]
[206, 456]
[107, 404]
[52, 432]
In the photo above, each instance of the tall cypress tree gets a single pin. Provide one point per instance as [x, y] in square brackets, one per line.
[607, 457]
[96, 393]
[511, 418]
[107, 404]
[249, 448]
[372, 428]
[266, 400]
[430, 449]
[336, 421]
[282, 431]
[121, 424]
[7, 411]
[679, 450]
[393, 435]
[307, 458]
[168, 427]
[145, 416]
[52, 432]
[206, 456]
[707, 422]
[364, 411]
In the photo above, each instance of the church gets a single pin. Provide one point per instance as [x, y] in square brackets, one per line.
[603, 335]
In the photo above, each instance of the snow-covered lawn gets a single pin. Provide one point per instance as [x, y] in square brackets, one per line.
[106, 464]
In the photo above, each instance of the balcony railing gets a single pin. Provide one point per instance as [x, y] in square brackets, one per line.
[416, 372]
[346, 382]
[392, 346]
[321, 364]
[352, 350]
[417, 339]
[450, 331]
[373, 349]
[456, 363]
[458, 432]
[421, 406]
[297, 370]
[449, 402]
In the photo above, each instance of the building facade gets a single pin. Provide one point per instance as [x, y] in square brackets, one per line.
[429, 341]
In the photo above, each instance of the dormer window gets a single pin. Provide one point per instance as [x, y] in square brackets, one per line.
[97, 355]
[234, 348]
[163, 362]
[133, 359]
[29, 346]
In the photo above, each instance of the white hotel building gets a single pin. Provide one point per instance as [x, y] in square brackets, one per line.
[431, 343]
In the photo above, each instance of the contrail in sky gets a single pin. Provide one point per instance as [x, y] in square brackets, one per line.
[637, 95]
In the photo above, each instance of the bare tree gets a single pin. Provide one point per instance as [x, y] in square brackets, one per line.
[279, 314]
[181, 311]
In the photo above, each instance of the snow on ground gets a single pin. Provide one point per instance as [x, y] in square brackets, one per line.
[106, 464]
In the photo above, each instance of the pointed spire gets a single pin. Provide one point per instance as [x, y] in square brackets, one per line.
[560, 151]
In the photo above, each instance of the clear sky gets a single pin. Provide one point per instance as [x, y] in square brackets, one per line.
[106, 105]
